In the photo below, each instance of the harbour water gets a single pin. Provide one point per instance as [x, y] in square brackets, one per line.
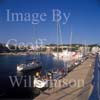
[8, 68]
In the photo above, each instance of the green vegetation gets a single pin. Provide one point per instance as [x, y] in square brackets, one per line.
[52, 47]
[4, 49]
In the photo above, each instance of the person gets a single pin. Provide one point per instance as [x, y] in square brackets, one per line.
[50, 78]
[37, 75]
[50, 75]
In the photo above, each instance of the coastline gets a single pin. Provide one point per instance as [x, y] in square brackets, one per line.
[21, 53]
[14, 54]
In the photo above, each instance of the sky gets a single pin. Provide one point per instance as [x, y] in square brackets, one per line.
[84, 21]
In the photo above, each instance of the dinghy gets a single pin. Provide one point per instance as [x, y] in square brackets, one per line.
[40, 83]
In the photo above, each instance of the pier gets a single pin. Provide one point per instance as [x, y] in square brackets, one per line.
[81, 87]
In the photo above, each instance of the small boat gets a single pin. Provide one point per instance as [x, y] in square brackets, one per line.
[60, 73]
[30, 66]
[44, 82]
[57, 75]
[76, 63]
[40, 83]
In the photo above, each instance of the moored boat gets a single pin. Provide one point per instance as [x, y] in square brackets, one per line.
[30, 66]
[40, 83]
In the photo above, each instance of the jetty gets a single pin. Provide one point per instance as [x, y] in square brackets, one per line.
[76, 85]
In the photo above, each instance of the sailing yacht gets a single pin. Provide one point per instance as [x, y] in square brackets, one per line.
[71, 57]
[41, 82]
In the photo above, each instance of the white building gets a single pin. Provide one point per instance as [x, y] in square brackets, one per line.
[95, 50]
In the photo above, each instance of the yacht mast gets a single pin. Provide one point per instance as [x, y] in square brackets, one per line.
[60, 35]
[70, 40]
[85, 48]
[57, 39]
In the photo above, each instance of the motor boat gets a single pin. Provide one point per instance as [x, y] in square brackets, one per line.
[30, 66]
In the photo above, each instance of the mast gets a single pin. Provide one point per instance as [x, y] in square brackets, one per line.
[57, 40]
[70, 47]
[85, 47]
[35, 39]
[60, 36]
[70, 40]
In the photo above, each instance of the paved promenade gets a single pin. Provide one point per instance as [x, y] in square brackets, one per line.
[76, 85]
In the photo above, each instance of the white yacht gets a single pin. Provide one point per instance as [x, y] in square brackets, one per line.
[30, 66]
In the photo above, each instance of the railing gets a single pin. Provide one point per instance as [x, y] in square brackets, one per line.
[96, 81]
